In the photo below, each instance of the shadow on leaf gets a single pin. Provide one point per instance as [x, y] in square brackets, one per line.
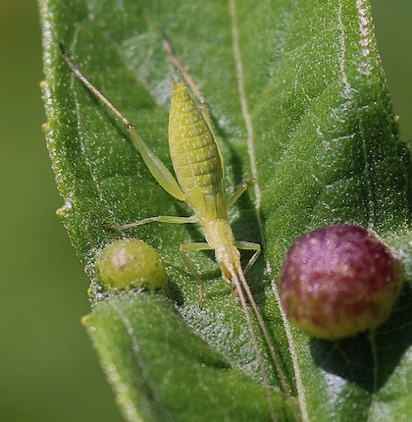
[369, 359]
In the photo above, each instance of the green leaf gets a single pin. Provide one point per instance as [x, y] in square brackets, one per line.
[166, 372]
[299, 103]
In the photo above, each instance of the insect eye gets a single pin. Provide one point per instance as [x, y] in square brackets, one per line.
[131, 263]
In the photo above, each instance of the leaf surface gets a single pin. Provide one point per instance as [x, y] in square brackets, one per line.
[299, 103]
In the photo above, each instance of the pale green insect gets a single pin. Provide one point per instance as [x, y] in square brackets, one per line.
[198, 166]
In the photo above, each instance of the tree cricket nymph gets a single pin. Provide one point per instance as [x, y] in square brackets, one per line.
[199, 182]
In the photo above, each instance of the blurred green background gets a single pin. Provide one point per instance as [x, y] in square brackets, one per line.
[48, 370]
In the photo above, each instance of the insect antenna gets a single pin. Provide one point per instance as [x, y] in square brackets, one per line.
[239, 282]
[262, 327]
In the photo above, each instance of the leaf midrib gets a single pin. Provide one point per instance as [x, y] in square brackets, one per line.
[247, 118]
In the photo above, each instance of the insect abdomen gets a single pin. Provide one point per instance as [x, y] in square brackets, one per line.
[193, 149]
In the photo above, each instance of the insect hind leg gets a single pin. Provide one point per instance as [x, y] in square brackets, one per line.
[240, 190]
[174, 59]
[181, 68]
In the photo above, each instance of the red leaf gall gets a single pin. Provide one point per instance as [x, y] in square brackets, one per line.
[338, 281]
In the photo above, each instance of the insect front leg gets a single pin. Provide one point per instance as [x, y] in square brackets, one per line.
[198, 246]
[249, 246]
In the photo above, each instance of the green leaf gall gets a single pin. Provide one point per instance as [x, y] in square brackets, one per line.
[129, 263]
